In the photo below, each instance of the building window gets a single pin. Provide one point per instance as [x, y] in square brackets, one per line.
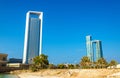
[4, 58]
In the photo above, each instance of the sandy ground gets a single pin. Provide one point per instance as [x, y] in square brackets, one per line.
[71, 73]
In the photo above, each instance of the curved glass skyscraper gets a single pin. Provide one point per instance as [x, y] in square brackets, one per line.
[33, 36]
[91, 45]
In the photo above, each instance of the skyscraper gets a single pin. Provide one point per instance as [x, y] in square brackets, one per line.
[90, 48]
[99, 53]
[33, 36]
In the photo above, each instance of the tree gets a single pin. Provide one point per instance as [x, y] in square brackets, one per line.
[52, 66]
[101, 63]
[113, 63]
[85, 62]
[71, 66]
[40, 62]
[61, 66]
[77, 66]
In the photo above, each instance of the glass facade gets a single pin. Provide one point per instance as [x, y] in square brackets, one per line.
[98, 50]
[90, 45]
[33, 36]
[33, 39]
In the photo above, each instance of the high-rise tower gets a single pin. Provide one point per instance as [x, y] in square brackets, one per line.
[91, 45]
[33, 36]
[99, 52]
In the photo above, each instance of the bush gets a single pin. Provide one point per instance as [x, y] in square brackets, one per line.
[52, 66]
[39, 62]
[61, 66]
[71, 66]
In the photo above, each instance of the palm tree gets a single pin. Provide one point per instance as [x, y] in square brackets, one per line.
[85, 62]
[40, 62]
[101, 63]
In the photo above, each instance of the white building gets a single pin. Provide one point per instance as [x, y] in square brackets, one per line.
[33, 36]
[117, 66]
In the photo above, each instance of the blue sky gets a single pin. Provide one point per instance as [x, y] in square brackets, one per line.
[65, 25]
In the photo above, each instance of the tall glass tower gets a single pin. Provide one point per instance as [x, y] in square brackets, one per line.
[33, 36]
[90, 48]
[99, 53]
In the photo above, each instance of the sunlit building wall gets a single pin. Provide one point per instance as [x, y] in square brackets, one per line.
[33, 36]
[91, 45]
[99, 53]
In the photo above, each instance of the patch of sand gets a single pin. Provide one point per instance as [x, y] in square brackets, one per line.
[71, 73]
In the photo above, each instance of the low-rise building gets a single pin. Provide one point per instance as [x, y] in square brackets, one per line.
[116, 66]
[15, 60]
[3, 59]
[18, 65]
